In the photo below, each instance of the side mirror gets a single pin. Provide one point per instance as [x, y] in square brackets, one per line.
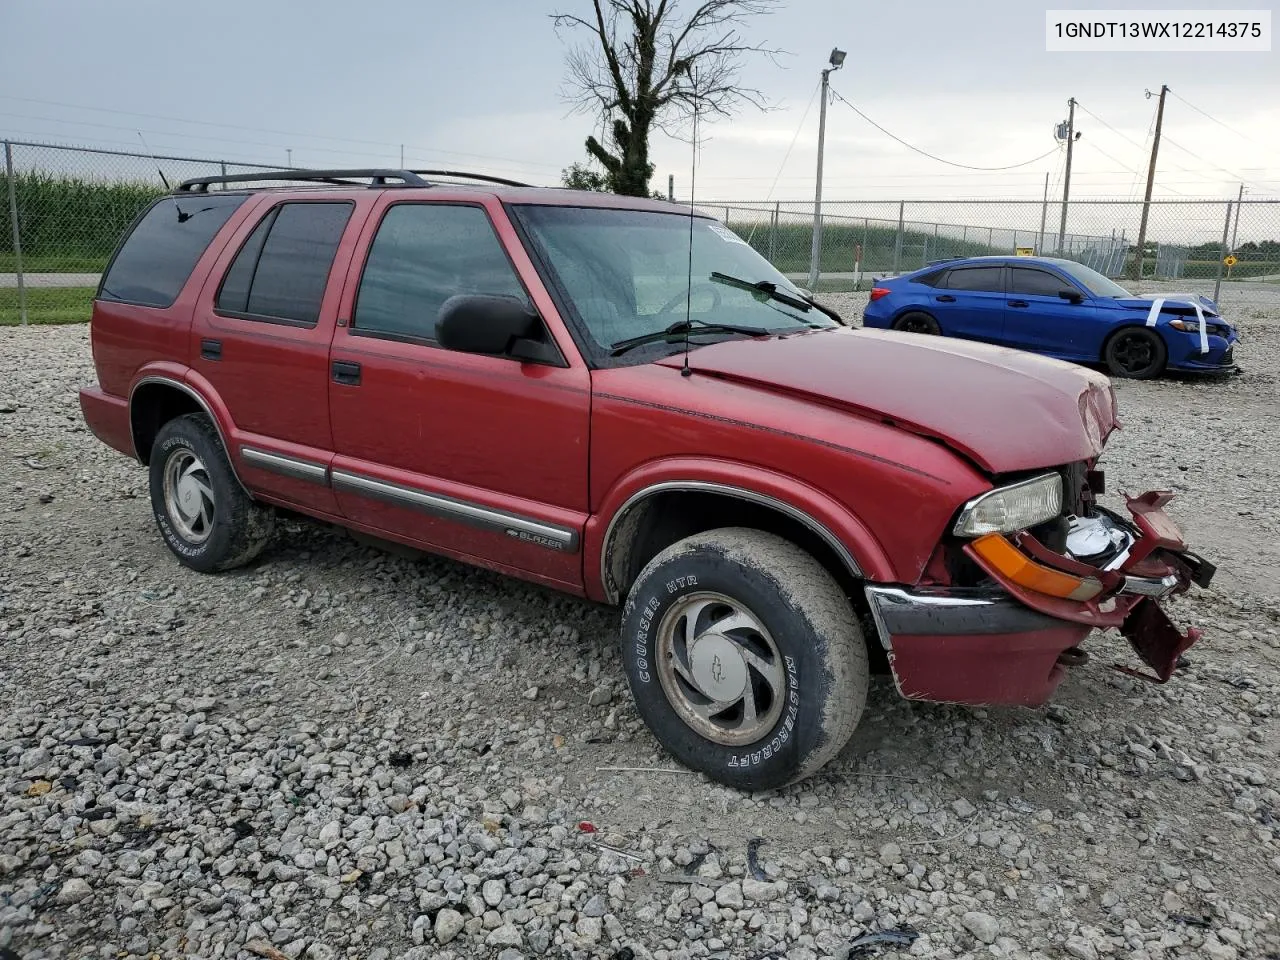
[1072, 295]
[480, 323]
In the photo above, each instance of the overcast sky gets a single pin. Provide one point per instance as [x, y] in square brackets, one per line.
[479, 85]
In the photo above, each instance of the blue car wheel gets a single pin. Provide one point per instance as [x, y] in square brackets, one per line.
[1137, 353]
[917, 322]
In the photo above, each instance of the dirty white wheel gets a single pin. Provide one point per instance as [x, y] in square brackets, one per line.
[744, 657]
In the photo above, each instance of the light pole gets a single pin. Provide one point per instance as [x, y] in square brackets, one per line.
[815, 254]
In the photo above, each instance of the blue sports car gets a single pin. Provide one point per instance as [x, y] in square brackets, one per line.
[1059, 308]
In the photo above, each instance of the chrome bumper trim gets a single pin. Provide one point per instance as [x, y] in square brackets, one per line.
[949, 611]
[1150, 586]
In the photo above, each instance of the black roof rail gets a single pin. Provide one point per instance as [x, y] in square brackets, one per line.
[947, 260]
[483, 177]
[338, 177]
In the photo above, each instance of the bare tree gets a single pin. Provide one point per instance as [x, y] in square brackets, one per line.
[647, 65]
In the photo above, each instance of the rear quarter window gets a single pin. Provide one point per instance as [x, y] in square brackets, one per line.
[157, 257]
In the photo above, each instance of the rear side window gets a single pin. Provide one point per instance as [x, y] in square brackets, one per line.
[989, 279]
[1036, 283]
[931, 279]
[157, 258]
[281, 272]
[423, 254]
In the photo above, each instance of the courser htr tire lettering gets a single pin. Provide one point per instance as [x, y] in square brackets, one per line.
[807, 662]
[221, 527]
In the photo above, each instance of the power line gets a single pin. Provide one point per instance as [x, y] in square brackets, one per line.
[924, 153]
[233, 126]
[1225, 126]
[1210, 162]
[1109, 126]
[799, 127]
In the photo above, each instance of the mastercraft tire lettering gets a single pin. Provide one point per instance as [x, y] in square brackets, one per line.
[744, 657]
[203, 514]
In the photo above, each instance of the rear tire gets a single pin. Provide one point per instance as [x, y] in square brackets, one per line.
[1136, 353]
[917, 322]
[205, 517]
[744, 657]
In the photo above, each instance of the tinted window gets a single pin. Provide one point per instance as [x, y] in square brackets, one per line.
[422, 255]
[1036, 283]
[1092, 280]
[281, 271]
[931, 279]
[234, 295]
[976, 278]
[159, 255]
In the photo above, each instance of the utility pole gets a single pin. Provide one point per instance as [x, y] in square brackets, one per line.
[1151, 182]
[1044, 214]
[1066, 180]
[671, 187]
[402, 156]
[815, 253]
[288, 152]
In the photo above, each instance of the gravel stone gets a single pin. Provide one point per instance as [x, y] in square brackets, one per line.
[982, 925]
[334, 752]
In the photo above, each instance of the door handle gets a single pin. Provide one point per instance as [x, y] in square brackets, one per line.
[210, 349]
[346, 372]
[1019, 303]
[946, 298]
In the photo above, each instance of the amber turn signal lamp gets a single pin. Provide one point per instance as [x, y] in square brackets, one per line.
[1025, 572]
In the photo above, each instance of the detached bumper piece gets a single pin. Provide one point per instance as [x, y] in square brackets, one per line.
[1013, 644]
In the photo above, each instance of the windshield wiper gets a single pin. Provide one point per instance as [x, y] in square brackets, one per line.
[770, 289]
[767, 287]
[680, 327]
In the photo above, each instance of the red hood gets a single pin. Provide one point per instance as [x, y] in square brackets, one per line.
[1004, 409]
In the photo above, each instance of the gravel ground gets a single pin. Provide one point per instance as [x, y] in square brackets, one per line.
[343, 753]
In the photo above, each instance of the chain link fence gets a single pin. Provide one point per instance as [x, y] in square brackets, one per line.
[66, 208]
[1223, 248]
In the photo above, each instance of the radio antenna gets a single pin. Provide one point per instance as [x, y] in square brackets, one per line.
[163, 178]
[693, 176]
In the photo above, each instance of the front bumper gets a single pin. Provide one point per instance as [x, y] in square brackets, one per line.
[1185, 355]
[1007, 644]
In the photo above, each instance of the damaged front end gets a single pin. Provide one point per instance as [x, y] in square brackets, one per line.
[1007, 632]
[1124, 568]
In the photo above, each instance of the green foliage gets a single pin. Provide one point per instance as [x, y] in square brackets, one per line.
[70, 223]
[788, 247]
[579, 176]
[47, 305]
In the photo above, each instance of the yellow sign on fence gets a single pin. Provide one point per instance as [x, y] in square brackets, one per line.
[1230, 260]
[1026, 251]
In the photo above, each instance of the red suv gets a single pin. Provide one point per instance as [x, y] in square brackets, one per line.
[621, 400]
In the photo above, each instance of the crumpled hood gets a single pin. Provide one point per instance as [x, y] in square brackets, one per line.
[1004, 409]
[1171, 300]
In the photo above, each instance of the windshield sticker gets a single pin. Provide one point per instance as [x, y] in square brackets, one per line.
[720, 230]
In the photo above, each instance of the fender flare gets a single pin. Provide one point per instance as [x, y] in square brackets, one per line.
[835, 524]
[170, 375]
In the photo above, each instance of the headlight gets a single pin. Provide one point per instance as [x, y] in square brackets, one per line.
[1193, 326]
[1012, 508]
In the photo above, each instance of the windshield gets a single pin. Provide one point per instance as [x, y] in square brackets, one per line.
[627, 273]
[1091, 279]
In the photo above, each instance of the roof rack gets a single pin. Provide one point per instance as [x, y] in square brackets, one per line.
[946, 260]
[483, 177]
[342, 178]
[339, 177]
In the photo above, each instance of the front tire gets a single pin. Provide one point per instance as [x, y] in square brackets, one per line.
[744, 657]
[204, 515]
[917, 321]
[1137, 353]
